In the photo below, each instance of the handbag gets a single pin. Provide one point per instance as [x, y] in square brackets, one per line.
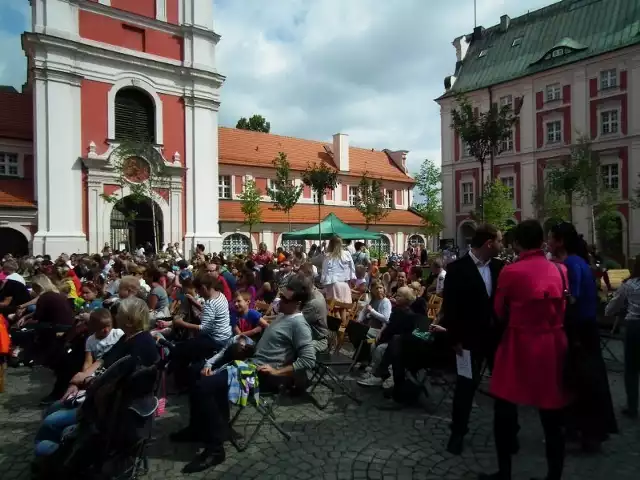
[576, 365]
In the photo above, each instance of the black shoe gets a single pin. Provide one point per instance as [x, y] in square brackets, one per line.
[632, 414]
[456, 444]
[210, 457]
[186, 435]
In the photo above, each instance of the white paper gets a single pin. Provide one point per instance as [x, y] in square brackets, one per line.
[463, 363]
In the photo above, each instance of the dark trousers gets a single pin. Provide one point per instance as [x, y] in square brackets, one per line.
[505, 428]
[463, 395]
[194, 350]
[209, 413]
[632, 364]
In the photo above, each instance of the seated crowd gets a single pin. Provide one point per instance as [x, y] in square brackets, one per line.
[83, 313]
[263, 319]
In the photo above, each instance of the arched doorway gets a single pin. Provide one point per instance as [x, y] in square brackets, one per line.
[236, 244]
[381, 246]
[13, 242]
[466, 231]
[132, 224]
[416, 241]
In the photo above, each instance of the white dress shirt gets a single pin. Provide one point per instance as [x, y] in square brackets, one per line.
[485, 272]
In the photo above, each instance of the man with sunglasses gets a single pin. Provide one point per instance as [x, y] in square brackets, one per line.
[285, 349]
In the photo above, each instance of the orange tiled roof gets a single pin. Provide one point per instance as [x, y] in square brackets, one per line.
[16, 115]
[14, 194]
[246, 147]
[308, 214]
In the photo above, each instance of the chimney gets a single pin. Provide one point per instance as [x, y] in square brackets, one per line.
[341, 151]
[505, 21]
[478, 33]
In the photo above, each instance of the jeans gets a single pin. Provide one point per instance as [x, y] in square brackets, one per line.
[505, 427]
[56, 419]
[195, 350]
[632, 364]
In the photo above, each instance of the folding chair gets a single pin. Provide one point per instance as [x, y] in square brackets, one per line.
[265, 407]
[326, 372]
[608, 335]
[433, 307]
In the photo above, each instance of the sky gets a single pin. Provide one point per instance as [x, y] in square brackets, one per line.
[367, 68]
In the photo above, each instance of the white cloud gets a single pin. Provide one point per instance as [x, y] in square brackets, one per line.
[369, 68]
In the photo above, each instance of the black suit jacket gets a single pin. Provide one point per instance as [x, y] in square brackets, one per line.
[468, 311]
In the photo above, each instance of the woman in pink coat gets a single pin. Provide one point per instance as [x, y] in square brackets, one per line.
[529, 362]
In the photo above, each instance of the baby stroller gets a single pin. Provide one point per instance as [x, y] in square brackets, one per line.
[114, 427]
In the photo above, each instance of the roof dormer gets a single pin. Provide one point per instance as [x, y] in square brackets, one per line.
[564, 47]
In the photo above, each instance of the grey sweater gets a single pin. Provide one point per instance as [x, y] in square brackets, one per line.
[287, 340]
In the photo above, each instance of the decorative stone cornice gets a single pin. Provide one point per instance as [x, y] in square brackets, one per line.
[42, 45]
[58, 76]
[203, 32]
[201, 102]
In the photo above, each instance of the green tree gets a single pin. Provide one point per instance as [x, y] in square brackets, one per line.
[429, 206]
[320, 178]
[370, 200]
[578, 180]
[257, 123]
[250, 206]
[285, 193]
[141, 167]
[497, 203]
[550, 204]
[483, 133]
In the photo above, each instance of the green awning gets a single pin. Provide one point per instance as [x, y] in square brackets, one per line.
[330, 226]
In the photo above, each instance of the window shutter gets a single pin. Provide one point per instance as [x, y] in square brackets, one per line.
[135, 116]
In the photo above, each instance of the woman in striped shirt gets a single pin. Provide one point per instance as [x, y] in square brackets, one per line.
[213, 333]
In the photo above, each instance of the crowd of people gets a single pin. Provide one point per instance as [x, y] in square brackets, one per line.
[261, 318]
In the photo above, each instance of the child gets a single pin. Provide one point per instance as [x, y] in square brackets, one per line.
[360, 283]
[374, 270]
[245, 320]
[103, 337]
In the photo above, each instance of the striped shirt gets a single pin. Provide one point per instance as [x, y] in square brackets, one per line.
[214, 321]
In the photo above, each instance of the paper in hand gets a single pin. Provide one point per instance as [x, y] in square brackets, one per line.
[463, 364]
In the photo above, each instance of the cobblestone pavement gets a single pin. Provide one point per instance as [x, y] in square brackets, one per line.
[342, 442]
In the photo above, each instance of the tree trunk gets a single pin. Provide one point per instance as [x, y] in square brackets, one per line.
[491, 161]
[481, 192]
[250, 237]
[570, 203]
[319, 220]
[594, 235]
[289, 218]
[155, 227]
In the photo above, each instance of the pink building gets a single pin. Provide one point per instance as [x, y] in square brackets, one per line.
[574, 66]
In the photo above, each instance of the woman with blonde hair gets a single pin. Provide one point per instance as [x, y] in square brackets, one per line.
[338, 270]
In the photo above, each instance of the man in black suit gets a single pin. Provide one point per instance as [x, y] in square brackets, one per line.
[469, 289]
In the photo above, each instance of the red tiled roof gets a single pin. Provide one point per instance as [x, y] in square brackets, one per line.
[308, 214]
[14, 193]
[16, 115]
[246, 147]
